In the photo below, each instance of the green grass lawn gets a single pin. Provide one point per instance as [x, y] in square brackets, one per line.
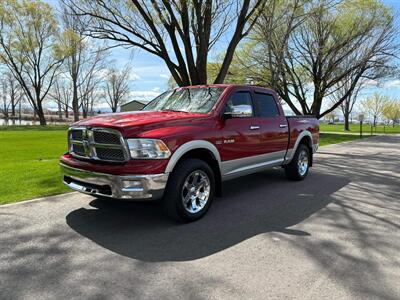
[29, 160]
[334, 138]
[355, 128]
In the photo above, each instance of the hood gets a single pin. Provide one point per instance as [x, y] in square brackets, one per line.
[138, 118]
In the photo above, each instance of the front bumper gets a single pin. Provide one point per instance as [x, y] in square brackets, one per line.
[125, 187]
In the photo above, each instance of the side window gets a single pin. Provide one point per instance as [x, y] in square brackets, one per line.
[239, 101]
[266, 105]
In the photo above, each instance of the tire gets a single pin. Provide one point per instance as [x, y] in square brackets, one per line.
[184, 199]
[298, 168]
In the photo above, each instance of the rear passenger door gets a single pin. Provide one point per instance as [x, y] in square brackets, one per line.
[274, 132]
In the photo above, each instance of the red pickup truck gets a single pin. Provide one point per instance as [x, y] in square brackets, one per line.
[184, 144]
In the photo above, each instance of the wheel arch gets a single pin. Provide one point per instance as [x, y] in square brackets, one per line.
[305, 137]
[203, 150]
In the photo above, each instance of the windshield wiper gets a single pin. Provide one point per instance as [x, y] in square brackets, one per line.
[169, 109]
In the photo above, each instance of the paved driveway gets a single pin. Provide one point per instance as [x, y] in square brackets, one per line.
[335, 235]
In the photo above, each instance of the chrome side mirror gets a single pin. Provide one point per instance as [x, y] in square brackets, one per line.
[240, 111]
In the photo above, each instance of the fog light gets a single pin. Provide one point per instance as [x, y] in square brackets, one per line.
[132, 184]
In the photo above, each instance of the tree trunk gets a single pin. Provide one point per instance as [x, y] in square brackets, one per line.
[13, 106]
[346, 116]
[20, 109]
[5, 107]
[59, 110]
[91, 108]
[40, 114]
[66, 113]
[318, 97]
[75, 104]
[38, 109]
[346, 123]
[84, 112]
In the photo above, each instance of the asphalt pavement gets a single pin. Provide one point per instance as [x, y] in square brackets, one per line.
[335, 235]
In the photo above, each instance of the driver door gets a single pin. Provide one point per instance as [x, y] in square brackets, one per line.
[241, 135]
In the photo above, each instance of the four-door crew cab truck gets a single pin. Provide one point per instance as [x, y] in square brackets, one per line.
[184, 143]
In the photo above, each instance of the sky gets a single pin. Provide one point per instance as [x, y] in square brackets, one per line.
[150, 74]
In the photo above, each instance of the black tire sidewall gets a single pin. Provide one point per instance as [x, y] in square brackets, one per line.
[301, 148]
[292, 170]
[173, 198]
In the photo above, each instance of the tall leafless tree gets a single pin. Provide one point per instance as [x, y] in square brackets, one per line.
[61, 94]
[180, 32]
[347, 103]
[11, 95]
[91, 79]
[84, 58]
[116, 86]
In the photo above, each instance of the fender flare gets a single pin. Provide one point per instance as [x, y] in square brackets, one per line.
[192, 145]
[291, 152]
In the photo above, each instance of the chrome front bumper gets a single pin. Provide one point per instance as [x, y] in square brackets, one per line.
[125, 187]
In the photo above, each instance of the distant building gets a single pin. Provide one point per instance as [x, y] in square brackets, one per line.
[133, 105]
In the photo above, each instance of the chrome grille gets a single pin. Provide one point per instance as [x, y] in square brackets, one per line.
[109, 153]
[97, 144]
[78, 149]
[76, 135]
[104, 137]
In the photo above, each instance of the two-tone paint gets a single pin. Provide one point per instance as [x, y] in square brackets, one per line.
[238, 145]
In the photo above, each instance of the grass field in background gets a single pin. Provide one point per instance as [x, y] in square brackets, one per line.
[29, 160]
[33, 128]
[355, 128]
[29, 163]
[334, 138]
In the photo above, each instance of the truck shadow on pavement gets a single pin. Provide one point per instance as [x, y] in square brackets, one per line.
[252, 205]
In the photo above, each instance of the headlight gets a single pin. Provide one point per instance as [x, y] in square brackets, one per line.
[148, 149]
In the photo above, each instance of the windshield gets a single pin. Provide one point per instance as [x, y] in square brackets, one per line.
[198, 100]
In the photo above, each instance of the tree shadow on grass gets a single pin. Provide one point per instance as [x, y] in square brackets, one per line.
[251, 205]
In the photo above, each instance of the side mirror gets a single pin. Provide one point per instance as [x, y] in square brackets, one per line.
[239, 111]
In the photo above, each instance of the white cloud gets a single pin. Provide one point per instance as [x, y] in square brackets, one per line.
[395, 83]
[156, 89]
[134, 76]
[166, 76]
[143, 95]
[370, 83]
[104, 72]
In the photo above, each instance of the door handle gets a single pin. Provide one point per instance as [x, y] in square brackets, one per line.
[254, 127]
[282, 125]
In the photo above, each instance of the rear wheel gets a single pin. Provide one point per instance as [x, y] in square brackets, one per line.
[298, 168]
[190, 190]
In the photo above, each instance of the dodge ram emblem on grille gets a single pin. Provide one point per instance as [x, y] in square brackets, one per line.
[86, 143]
[86, 147]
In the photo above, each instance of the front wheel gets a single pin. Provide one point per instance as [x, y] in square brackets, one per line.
[190, 191]
[298, 168]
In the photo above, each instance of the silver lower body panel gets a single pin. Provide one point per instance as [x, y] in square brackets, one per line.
[124, 187]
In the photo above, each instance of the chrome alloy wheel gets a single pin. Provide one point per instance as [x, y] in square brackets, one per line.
[302, 163]
[196, 191]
